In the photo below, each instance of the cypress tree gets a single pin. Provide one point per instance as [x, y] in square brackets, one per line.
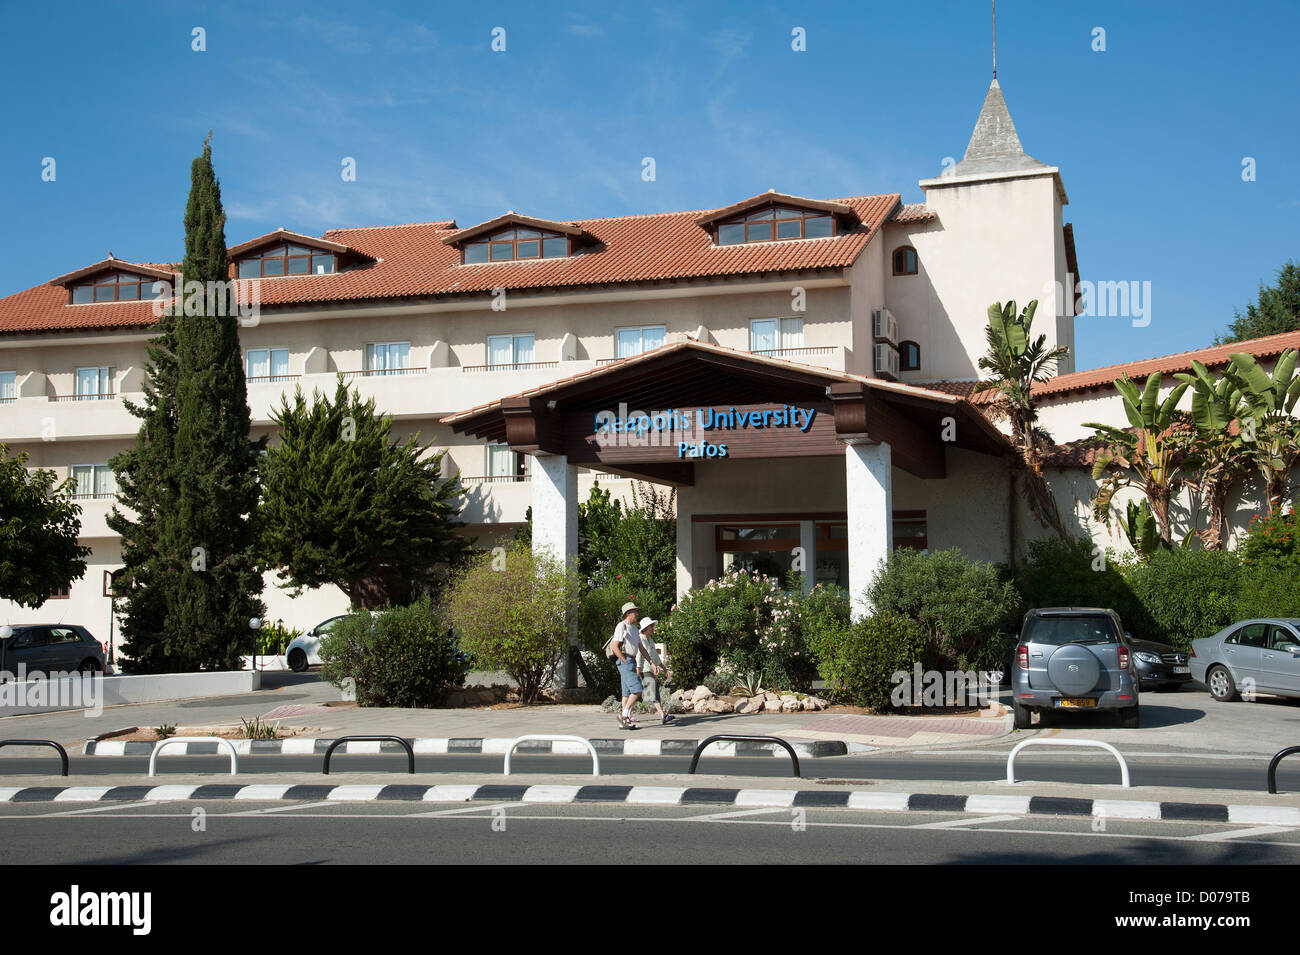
[216, 465]
[191, 582]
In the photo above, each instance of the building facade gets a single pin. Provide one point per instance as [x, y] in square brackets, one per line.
[864, 311]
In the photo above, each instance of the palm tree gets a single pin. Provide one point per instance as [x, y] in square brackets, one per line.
[1271, 431]
[1215, 449]
[1150, 456]
[1016, 362]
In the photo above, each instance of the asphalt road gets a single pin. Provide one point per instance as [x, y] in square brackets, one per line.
[1180, 770]
[313, 833]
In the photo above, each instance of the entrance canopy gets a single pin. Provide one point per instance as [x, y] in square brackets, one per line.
[655, 415]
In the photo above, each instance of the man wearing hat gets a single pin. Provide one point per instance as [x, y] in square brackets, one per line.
[623, 648]
[649, 659]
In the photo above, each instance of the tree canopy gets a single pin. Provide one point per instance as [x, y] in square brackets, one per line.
[1275, 310]
[39, 526]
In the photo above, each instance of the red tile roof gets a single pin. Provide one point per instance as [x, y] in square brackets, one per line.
[913, 212]
[1216, 355]
[412, 261]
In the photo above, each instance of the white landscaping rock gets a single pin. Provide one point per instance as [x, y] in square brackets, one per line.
[718, 706]
[772, 706]
[790, 706]
[701, 693]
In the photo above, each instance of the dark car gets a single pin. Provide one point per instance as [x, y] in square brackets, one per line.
[1072, 659]
[51, 648]
[1158, 665]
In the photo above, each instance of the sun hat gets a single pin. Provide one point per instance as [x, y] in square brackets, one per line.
[647, 623]
[629, 607]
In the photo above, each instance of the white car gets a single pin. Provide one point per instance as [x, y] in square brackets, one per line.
[304, 651]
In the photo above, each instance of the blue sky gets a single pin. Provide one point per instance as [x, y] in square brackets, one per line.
[1150, 134]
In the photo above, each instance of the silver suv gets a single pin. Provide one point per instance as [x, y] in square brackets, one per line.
[1073, 659]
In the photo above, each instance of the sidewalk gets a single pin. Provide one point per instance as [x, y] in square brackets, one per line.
[302, 703]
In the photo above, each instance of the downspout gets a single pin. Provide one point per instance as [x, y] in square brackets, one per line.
[1011, 518]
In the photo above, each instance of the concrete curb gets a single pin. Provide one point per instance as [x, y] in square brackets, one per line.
[490, 746]
[673, 796]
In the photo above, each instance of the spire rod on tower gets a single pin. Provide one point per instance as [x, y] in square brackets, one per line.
[995, 38]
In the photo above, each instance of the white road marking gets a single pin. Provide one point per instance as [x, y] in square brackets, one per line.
[484, 807]
[274, 809]
[962, 823]
[1237, 834]
[726, 816]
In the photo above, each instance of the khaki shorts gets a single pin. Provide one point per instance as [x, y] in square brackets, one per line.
[651, 687]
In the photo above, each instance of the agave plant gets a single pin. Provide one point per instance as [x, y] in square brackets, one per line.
[1271, 431]
[1150, 456]
[1215, 448]
[1016, 361]
[751, 685]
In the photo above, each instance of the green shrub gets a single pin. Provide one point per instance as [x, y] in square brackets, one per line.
[509, 610]
[859, 662]
[405, 656]
[1186, 594]
[1270, 568]
[1058, 573]
[961, 605]
[740, 624]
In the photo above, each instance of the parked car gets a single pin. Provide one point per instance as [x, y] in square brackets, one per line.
[303, 652]
[1158, 665]
[1073, 659]
[1263, 651]
[51, 648]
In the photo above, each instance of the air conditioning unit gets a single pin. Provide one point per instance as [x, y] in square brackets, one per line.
[886, 360]
[884, 327]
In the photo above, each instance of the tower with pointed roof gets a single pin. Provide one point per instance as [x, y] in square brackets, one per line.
[996, 232]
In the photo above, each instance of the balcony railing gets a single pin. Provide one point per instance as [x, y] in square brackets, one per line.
[265, 379]
[382, 372]
[96, 397]
[516, 366]
[794, 352]
[495, 479]
[94, 496]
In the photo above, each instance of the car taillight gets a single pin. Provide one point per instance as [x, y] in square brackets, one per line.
[1022, 657]
[1192, 654]
[1123, 657]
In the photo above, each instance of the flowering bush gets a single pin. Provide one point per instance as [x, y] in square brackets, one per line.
[739, 625]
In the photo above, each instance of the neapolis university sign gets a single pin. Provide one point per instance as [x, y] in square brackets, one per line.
[708, 432]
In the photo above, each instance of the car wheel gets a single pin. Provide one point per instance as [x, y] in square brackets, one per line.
[1223, 688]
[297, 660]
[1022, 716]
[90, 665]
[1129, 718]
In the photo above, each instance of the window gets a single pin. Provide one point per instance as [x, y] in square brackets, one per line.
[775, 334]
[909, 356]
[388, 358]
[516, 243]
[8, 385]
[267, 364]
[910, 530]
[95, 383]
[115, 287]
[63, 593]
[770, 224]
[761, 548]
[635, 341]
[506, 465]
[1252, 635]
[93, 482]
[510, 350]
[1280, 638]
[905, 260]
[286, 259]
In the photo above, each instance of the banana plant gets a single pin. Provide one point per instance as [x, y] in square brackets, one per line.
[1215, 447]
[1271, 429]
[1140, 527]
[1016, 361]
[1150, 455]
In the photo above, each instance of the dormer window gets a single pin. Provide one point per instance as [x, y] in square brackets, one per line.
[115, 287]
[768, 225]
[516, 243]
[285, 258]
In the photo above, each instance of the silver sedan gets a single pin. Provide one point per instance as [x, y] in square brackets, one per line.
[1249, 657]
